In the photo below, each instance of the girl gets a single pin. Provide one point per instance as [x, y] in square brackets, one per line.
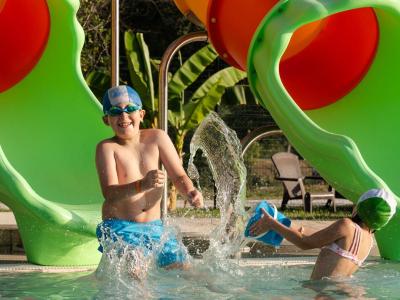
[346, 243]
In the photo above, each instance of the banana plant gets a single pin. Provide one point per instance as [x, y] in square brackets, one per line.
[201, 103]
[142, 72]
[239, 94]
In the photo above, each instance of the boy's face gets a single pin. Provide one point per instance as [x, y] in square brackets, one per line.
[124, 120]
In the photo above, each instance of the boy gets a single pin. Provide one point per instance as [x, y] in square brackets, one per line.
[132, 184]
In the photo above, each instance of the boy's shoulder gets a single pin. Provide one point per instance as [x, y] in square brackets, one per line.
[152, 133]
[109, 142]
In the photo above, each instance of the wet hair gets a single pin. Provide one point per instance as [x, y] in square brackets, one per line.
[356, 219]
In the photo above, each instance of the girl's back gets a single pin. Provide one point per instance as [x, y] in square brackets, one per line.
[344, 256]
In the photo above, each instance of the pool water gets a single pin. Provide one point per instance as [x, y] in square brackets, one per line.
[218, 280]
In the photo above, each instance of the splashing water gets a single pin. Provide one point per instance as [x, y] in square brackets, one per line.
[125, 269]
[221, 147]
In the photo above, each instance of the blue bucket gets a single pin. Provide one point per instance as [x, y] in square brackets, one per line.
[269, 237]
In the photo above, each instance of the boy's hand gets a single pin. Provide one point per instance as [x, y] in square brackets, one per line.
[153, 179]
[196, 198]
[263, 224]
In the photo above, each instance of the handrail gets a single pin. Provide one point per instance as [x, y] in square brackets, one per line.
[258, 134]
[172, 49]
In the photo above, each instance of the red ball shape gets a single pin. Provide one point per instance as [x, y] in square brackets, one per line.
[24, 31]
[335, 62]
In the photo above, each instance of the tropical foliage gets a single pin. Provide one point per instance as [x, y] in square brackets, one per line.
[159, 19]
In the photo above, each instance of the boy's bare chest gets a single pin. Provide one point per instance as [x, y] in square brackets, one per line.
[134, 163]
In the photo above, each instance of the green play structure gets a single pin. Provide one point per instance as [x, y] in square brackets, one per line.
[351, 142]
[50, 124]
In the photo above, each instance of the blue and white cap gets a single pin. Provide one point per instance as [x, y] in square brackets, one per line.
[121, 94]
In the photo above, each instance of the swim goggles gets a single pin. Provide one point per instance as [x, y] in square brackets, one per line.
[116, 110]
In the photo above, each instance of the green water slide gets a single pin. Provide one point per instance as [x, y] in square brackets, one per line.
[50, 123]
[353, 142]
[328, 72]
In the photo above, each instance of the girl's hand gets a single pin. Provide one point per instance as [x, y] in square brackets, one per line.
[264, 224]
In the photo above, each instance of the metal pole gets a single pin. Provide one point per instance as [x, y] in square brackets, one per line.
[115, 43]
[163, 92]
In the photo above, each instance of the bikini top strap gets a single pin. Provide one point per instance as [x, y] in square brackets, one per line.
[370, 247]
[371, 236]
[355, 244]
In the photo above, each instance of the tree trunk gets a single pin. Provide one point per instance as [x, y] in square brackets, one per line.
[154, 123]
[173, 193]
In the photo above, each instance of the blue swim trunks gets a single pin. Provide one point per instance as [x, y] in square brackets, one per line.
[151, 237]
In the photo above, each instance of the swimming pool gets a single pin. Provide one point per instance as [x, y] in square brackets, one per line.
[228, 279]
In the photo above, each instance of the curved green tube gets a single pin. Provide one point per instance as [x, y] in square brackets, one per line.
[50, 124]
[351, 142]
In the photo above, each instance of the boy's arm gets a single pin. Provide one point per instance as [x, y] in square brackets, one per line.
[106, 170]
[172, 163]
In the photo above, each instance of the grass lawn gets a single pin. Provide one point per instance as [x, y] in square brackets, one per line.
[292, 213]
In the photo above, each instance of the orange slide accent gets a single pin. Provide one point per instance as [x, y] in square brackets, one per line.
[2, 2]
[231, 30]
[196, 7]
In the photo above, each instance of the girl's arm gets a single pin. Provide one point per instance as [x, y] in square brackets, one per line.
[318, 239]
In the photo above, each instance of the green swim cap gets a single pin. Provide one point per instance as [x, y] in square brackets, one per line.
[376, 207]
